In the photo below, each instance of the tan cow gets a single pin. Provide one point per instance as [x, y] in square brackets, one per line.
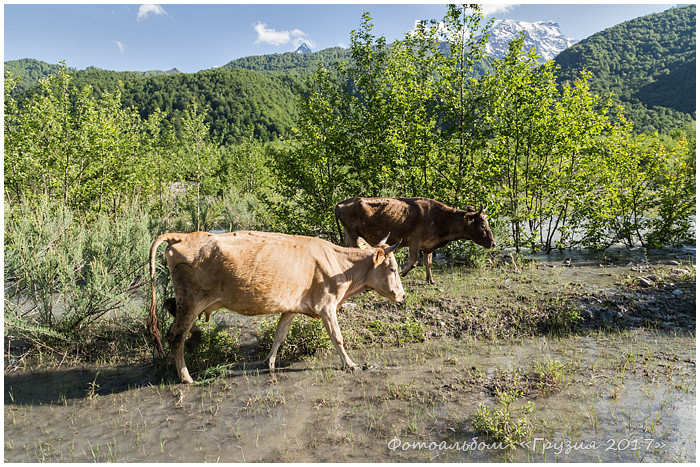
[259, 273]
[424, 225]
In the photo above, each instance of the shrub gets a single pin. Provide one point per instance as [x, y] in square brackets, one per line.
[63, 276]
[306, 338]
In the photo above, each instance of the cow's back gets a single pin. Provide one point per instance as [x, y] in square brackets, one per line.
[373, 218]
[251, 273]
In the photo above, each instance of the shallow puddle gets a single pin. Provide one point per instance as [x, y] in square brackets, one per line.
[621, 398]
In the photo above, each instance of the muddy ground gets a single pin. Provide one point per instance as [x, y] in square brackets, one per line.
[597, 354]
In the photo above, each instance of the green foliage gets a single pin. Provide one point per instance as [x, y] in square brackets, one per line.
[541, 139]
[306, 338]
[384, 122]
[65, 145]
[636, 189]
[410, 331]
[291, 63]
[557, 165]
[239, 103]
[217, 352]
[30, 72]
[647, 63]
[505, 423]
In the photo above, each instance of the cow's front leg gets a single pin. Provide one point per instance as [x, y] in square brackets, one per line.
[330, 322]
[283, 325]
[428, 258]
[413, 257]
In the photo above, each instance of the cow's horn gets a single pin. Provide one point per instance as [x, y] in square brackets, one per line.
[384, 240]
[393, 247]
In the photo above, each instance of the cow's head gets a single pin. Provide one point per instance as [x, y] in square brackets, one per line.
[477, 228]
[384, 277]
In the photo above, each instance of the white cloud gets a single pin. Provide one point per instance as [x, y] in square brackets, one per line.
[270, 36]
[273, 37]
[146, 10]
[496, 8]
[121, 46]
[486, 10]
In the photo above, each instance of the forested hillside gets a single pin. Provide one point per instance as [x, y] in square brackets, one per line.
[648, 63]
[30, 71]
[240, 103]
[291, 62]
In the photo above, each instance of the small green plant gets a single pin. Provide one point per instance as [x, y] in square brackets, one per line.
[217, 353]
[64, 278]
[559, 316]
[505, 423]
[409, 331]
[92, 391]
[550, 374]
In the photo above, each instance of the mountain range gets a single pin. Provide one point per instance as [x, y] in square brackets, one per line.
[648, 63]
[545, 36]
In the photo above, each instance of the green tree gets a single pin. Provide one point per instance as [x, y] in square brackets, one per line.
[541, 134]
[197, 158]
[64, 144]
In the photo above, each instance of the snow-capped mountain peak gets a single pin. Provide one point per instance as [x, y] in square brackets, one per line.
[303, 49]
[545, 36]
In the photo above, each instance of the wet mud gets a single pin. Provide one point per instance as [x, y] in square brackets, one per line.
[622, 391]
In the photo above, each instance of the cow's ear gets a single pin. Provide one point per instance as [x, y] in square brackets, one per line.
[362, 244]
[378, 256]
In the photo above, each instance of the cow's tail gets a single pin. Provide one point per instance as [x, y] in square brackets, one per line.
[152, 326]
[337, 223]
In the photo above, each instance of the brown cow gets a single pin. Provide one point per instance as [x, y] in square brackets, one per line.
[258, 273]
[423, 224]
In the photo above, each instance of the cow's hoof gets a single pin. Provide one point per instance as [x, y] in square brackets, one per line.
[185, 376]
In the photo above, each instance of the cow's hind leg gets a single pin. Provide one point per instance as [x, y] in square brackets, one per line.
[195, 332]
[428, 258]
[185, 317]
[283, 325]
[330, 322]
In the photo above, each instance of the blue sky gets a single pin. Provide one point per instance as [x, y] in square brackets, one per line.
[189, 37]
